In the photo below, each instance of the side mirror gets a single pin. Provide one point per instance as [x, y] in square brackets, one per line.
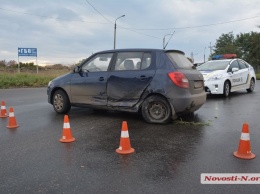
[77, 69]
[234, 69]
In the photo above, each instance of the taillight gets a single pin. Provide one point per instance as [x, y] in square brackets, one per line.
[179, 79]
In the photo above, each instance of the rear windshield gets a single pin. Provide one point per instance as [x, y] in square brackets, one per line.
[179, 59]
[213, 65]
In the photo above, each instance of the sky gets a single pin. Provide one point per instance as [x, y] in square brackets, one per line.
[67, 31]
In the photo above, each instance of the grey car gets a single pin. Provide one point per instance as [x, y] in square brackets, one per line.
[161, 84]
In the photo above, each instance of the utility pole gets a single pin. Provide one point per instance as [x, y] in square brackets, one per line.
[192, 57]
[210, 47]
[204, 53]
[115, 30]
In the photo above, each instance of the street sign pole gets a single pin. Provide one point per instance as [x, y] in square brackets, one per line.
[36, 65]
[18, 66]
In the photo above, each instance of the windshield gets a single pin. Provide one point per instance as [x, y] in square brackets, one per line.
[213, 65]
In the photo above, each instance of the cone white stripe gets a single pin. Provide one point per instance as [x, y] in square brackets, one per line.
[11, 114]
[124, 134]
[66, 125]
[3, 107]
[245, 136]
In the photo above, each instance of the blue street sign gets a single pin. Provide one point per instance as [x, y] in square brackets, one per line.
[27, 52]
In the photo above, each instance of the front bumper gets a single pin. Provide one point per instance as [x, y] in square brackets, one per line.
[213, 87]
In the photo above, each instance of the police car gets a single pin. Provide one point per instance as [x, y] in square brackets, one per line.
[226, 73]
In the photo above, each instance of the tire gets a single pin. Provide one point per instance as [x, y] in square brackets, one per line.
[252, 86]
[156, 109]
[60, 102]
[226, 89]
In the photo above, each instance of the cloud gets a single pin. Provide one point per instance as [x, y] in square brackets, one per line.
[66, 31]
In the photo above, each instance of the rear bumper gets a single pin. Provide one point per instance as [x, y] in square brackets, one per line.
[188, 104]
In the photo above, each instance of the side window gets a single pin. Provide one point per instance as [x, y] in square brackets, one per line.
[99, 63]
[147, 60]
[233, 64]
[128, 61]
[132, 61]
[242, 64]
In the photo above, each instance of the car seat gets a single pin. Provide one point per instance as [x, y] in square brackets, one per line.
[129, 65]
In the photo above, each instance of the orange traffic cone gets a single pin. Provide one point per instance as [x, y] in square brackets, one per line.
[66, 134]
[3, 113]
[125, 146]
[244, 150]
[12, 120]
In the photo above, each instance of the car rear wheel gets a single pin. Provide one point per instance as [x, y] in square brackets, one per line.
[61, 102]
[252, 86]
[226, 89]
[156, 109]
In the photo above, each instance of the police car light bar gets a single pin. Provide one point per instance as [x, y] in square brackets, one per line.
[224, 56]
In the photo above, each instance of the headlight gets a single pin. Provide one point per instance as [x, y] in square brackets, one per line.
[215, 77]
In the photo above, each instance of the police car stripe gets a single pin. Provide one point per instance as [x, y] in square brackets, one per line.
[210, 74]
[248, 78]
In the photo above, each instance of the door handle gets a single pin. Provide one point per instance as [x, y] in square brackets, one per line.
[142, 77]
[101, 79]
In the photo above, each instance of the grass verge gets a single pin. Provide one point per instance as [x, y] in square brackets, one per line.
[22, 80]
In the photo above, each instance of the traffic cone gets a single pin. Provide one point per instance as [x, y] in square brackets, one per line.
[12, 120]
[244, 149]
[66, 134]
[125, 146]
[3, 113]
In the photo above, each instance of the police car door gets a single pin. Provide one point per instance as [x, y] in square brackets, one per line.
[244, 69]
[235, 76]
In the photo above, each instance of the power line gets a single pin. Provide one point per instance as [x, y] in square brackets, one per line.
[77, 20]
[139, 32]
[98, 12]
[51, 17]
[129, 29]
[133, 29]
[198, 26]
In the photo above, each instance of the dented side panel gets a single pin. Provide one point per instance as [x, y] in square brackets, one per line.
[124, 89]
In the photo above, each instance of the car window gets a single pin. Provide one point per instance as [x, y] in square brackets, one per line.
[132, 61]
[234, 64]
[242, 64]
[213, 65]
[179, 59]
[146, 62]
[99, 63]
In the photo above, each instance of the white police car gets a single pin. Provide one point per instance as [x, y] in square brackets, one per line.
[227, 75]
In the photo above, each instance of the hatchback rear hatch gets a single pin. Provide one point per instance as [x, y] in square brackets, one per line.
[184, 65]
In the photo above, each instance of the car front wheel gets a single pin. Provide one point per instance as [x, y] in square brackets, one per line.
[61, 102]
[226, 89]
[252, 86]
[156, 109]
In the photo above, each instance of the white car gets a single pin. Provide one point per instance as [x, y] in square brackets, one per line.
[227, 75]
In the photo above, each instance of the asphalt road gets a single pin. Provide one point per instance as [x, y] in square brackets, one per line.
[168, 159]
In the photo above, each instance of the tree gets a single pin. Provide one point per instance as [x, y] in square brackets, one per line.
[225, 44]
[245, 45]
[254, 52]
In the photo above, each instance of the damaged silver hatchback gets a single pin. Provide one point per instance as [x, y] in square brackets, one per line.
[161, 84]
